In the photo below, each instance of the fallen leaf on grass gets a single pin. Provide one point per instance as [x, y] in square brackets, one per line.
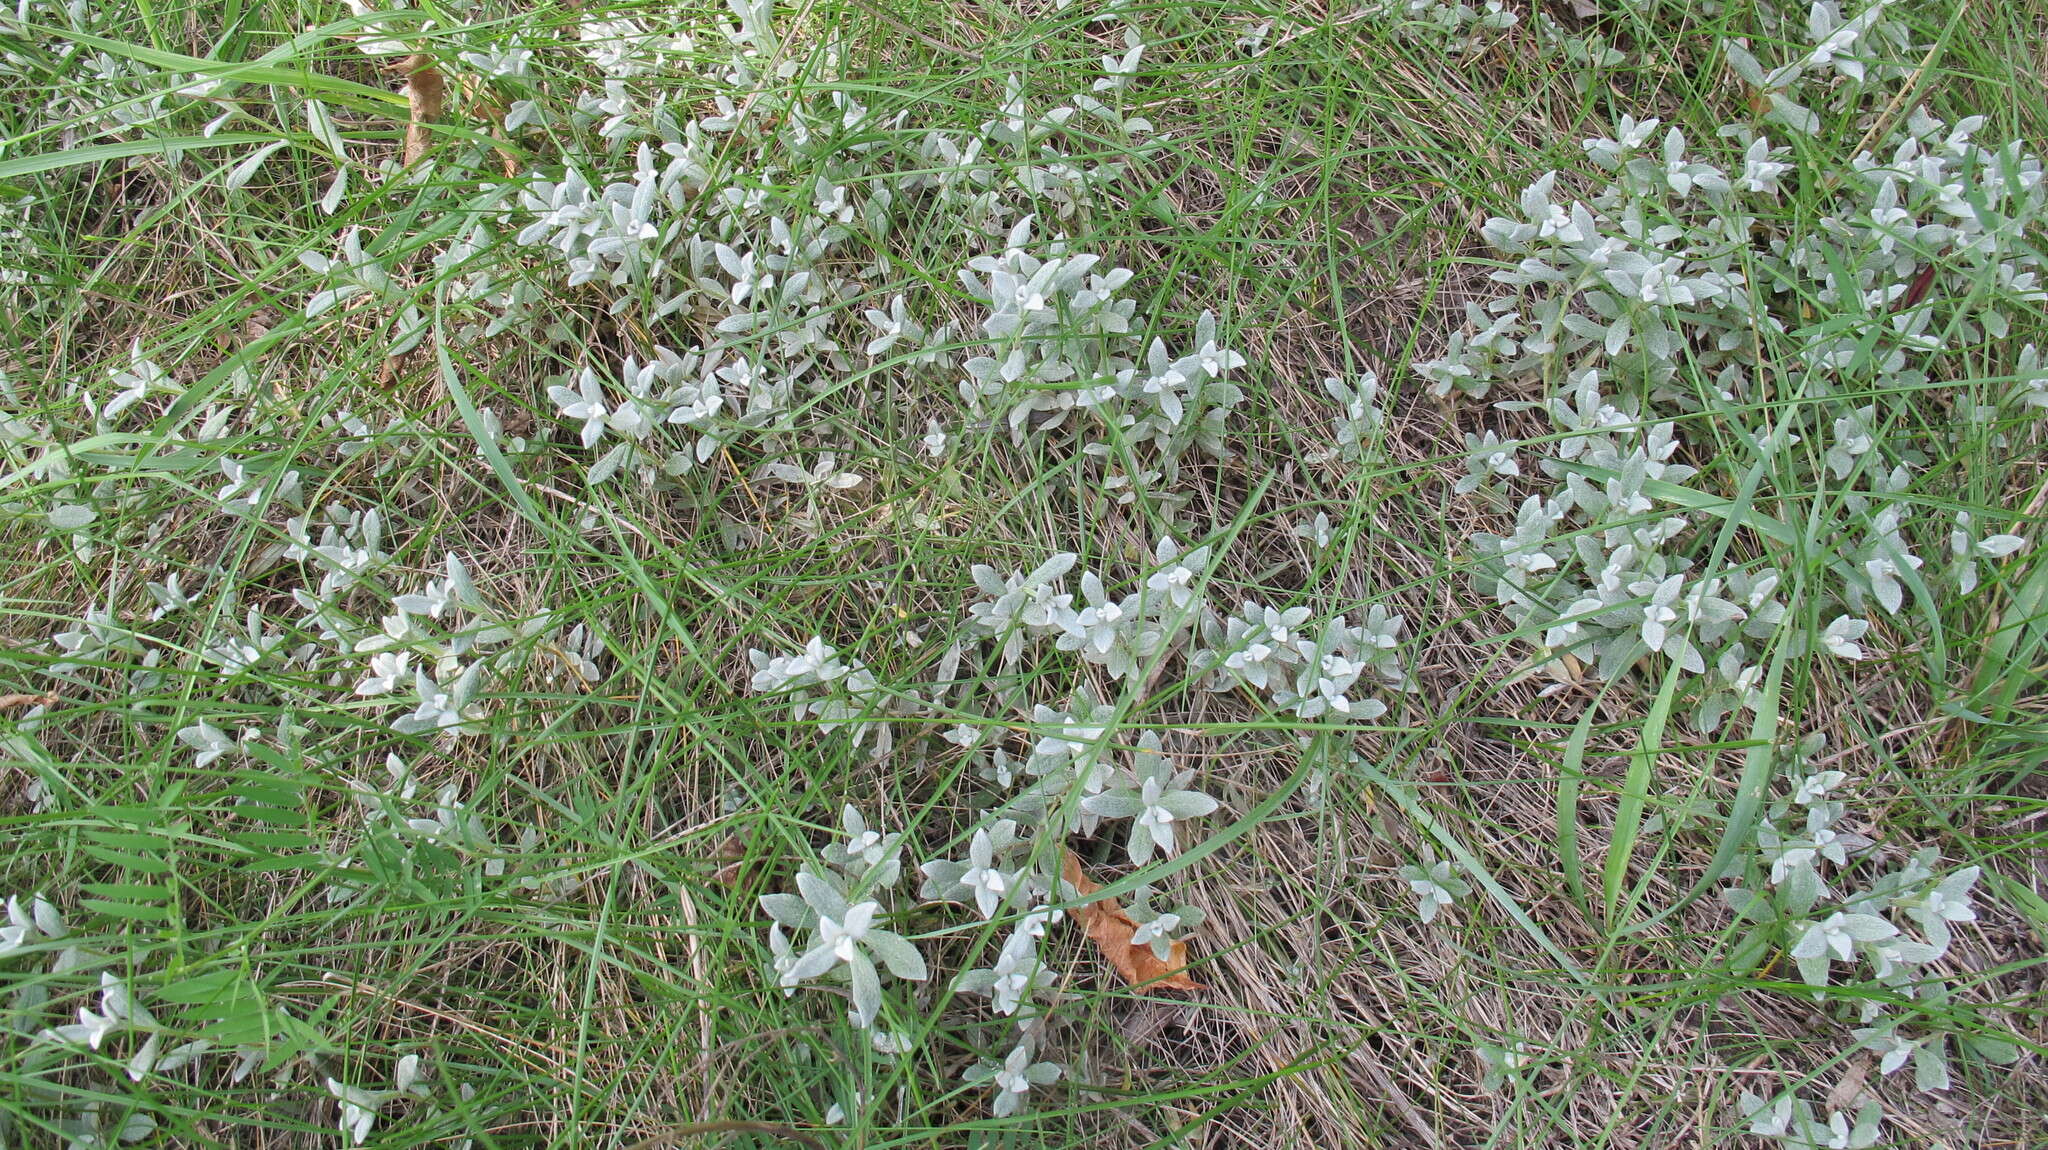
[424, 92]
[1106, 923]
[9, 702]
[730, 847]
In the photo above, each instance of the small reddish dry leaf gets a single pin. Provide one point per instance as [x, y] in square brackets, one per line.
[424, 92]
[1106, 923]
[730, 847]
[9, 702]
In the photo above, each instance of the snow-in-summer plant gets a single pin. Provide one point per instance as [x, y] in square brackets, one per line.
[1063, 353]
[1312, 668]
[1449, 26]
[818, 683]
[1883, 940]
[1664, 280]
[397, 824]
[835, 909]
[359, 1108]
[37, 920]
[1077, 771]
[720, 245]
[1155, 796]
[710, 276]
[1627, 310]
[1014, 1075]
[1357, 430]
[434, 652]
[1435, 887]
[1792, 1123]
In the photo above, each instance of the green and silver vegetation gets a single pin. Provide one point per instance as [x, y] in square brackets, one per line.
[617, 626]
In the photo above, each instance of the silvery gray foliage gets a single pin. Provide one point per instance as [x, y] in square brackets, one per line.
[666, 414]
[1856, 44]
[1018, 977]
[1346, 660]
[1966, 550]
[1450, 26]
[1254, 648]
[1121, 634]
[1311, 669]
[350, 547]
[997, 871]
[1318, 533]
[1893, 930]
[1124, 634]
[105, 97]
[431, 649]
[361, 274]
[1069, 762]
[97, 636]
[37, 921]
[1612, 296]
[1061, 347]
[1021, 606]
[1073, 781]
[252, 490]
[837, 692]
[1435, 887]
[763, 274]
[18, 214]
[238, 649]
[119, 1010]
[1154, 794]
[694, 218]
[1000, 872]
[1791, 1122]
[1485, 458]
[1014, 1076]
[397, 822]
[358, 1107]
[1357, 431]
[836, 905]
[1160, 929]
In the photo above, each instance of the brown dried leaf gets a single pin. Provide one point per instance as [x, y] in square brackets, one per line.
[9, 702]
[1106, 923]
[729, 847]
[425, 91]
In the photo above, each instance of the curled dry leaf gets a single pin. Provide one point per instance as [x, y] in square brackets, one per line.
[425, 91]
[9, 702]
[1106, 923]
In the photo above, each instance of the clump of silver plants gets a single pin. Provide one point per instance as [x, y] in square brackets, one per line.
[1893, 932]
[1072, 775]
[1650, 302]
[1676, 290]
[117, 1024]
[751, 227]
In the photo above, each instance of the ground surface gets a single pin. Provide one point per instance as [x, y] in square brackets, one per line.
[419, 496]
